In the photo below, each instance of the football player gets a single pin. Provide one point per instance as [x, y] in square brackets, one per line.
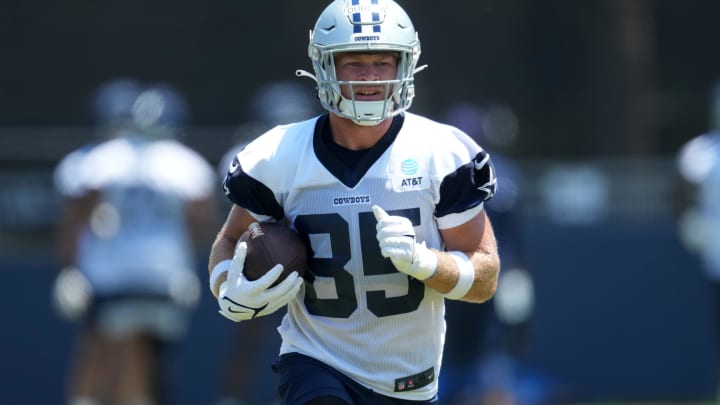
[391, 204]
[135, 204]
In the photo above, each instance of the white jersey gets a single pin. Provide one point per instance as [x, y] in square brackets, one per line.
[137, 240]
[360, 315]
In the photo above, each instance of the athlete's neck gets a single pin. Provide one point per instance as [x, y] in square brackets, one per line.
[352, 136]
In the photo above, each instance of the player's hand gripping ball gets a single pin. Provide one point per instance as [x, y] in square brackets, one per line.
[269, 244]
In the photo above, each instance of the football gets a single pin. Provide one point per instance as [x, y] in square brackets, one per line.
[269, 244]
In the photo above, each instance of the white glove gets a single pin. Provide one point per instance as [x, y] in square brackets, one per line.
[396, 237]
[241, 299]
[71, 294]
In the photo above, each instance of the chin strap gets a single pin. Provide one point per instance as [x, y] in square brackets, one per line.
[363, 112]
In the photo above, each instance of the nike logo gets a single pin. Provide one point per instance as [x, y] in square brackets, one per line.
[479, 164]
[244, 308]
[234, 165]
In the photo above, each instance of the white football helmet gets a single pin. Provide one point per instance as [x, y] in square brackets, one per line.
[364, 26]
[161, 111]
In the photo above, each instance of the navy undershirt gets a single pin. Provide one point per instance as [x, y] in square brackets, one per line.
[351, 157]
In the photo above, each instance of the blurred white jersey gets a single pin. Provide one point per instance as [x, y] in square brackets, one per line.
[359, 314]
[698, 162]
[709, 207]
[137, 240]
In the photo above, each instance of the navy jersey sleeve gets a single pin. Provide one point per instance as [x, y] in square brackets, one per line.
[470, 185]
[250, 193]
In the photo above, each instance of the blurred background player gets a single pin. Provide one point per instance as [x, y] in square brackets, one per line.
[275, 103]
[483, 357]
[698, 163]
[136, 205]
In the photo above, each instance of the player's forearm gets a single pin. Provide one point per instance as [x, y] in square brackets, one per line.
[222, 249]
[66, 244]
[486, 267]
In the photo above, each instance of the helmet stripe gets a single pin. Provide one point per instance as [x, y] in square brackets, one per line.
[360, 18]
[357, 23]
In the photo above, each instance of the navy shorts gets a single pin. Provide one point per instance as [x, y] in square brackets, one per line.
[303, 378]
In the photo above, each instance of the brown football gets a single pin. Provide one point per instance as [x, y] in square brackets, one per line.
[269, 244]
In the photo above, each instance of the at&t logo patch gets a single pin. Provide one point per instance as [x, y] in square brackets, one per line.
[410, 176]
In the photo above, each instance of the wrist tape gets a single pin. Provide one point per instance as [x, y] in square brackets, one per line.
[219, 269]
[466, 276]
